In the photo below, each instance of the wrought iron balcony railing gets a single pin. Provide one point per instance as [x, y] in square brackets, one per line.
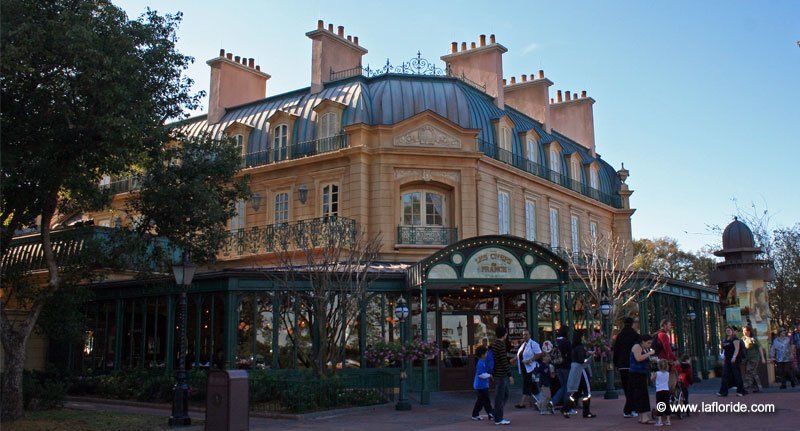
[540, 171]
[426, 235]
[311, 233]
[123, 185]
[295, 151]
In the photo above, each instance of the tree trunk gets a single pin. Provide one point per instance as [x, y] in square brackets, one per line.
[14, 346]
[321, 320]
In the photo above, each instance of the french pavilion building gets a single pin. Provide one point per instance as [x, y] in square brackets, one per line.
[479, 185]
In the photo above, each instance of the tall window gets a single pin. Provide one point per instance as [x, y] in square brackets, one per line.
[423, 208]
[239, 140]
[531, 153]
[576, 243]
[280, 142]
[281, 208]
[237, 221]
[328, 126]
[576, 170]
[593, 180]
[553, 227]
[504, 153]
[330, 200]
[555, 165]
[503, 213]
[530, 220]
[593, 231]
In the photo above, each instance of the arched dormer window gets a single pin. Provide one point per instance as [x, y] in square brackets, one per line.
[555, 164]
[575, 169]
[594, 180]
[280, 142]
[328, 125]
[530, 150]
[239, 140]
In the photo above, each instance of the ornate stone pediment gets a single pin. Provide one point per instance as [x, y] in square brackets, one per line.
[427, 136]
[427, 174]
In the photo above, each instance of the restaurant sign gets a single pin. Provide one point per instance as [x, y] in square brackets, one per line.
[493, 262]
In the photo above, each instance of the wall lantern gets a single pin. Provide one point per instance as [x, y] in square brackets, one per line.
[302, 192]
[255, 201]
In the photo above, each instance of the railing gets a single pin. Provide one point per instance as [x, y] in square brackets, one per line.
[415, 66]
[426, 235]
[540, 171]
[123, 185]
[335, 231]
[295, 151]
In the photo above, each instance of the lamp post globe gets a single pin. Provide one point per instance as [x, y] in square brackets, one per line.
[401, 313]
[184, 274]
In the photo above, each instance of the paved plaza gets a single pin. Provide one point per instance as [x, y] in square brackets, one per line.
[451, 411]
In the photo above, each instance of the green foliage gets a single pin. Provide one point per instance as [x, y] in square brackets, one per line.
[140, 385]
[43, 390]
[784, 297]
[189, 194]
[664, 256]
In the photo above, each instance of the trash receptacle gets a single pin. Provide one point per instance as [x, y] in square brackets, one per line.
[227, 401]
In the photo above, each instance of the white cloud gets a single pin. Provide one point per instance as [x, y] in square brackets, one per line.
[531, 47]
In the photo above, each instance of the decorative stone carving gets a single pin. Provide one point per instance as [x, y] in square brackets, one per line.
[427, 136]
[427, 174]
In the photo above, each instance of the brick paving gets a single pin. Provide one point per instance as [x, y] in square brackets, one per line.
[451, 411]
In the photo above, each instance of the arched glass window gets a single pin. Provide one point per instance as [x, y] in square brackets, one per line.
[505, 152]
[576, 171]
[555, 165]
[280, 142]
[328, 125]
[423, 208]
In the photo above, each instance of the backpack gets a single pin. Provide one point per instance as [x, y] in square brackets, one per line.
[656, 346]
[489, 361]
[556, 358]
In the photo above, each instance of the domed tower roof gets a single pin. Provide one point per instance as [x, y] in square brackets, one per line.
[737, 236]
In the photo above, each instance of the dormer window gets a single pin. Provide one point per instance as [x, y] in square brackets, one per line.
[280, 142]
[594, 181]
[531, 150]
[505, 153]
[239, 140]
[328, 125]
[555, 165]
[576, 170]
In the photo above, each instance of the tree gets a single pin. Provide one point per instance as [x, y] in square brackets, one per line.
[324, 264]
[603, 267]
[664, 256]
[784, 297]
[85, 93]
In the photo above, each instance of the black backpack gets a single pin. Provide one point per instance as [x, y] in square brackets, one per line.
[656, 346]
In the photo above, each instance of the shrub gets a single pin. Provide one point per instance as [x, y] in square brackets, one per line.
[43, 390]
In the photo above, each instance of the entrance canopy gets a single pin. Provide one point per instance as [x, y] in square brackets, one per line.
[505, 260]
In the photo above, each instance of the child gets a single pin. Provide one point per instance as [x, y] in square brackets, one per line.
[685, 374]
[545, 373]
[661, 379]
[481, 385]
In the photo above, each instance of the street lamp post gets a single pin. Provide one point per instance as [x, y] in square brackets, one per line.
[605, 310]
[691, 315]
[184, 273]
[460, 330]
[401, 312]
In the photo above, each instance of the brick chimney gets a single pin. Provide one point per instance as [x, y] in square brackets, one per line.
[482, 65]
[332, 51]
[574, 118]
[531, 97]
[234, 81]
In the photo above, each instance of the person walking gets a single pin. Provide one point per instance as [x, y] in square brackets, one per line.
[562, 360]
[731, 373]
[527, 354]
[545, 373]
[796, 343]
[639, 369]
[661, 380]
[579, 383]
[781, 353]
[753, 355]
[626, 339]
[502, 376]
[481, 385]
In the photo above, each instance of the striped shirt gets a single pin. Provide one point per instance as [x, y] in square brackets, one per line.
[501, 364]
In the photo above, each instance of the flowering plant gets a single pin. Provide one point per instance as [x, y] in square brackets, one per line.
[599, 344]
[388, 354]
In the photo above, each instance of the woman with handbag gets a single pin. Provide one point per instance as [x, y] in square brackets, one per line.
[527, 354]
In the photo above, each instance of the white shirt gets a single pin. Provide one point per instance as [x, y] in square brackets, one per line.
[527, 351]
[662, 381]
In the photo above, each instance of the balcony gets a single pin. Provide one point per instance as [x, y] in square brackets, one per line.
[311, 233]
[540, 171]
[295, 151]
[122, 185]
[426, 235]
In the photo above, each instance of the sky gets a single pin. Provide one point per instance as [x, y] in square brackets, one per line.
[699, 100]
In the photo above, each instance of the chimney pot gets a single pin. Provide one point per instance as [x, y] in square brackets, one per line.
[491, 39]
[251, 62]
[258, 67]
[320, 24]
[504, 81]
[472, 45]
[541, 74]
[330, 27]
[355, 40]
[222, 52]
[524, 78]
[340, 31]
[237, 59]
[567, 96]
[583, 94]
[453, 47]
[483, 40]
[229, 56]
[551, 100]
[349, 38]
[513, 80]
[463, 46]
[558, 96]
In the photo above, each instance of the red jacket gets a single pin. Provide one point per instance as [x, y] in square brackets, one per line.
[666, 347]
[685, 374]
